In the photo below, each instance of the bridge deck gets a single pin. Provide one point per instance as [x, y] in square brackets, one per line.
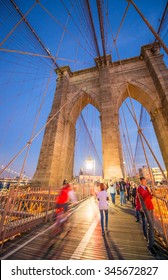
[82, 239]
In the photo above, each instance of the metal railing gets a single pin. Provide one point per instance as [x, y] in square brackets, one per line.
[22, 209]
[160, 201]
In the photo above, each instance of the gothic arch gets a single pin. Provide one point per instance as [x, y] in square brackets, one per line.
[141, 93]
[79, 102]
[150, 101]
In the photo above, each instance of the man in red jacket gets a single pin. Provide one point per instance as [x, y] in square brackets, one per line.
[146, 206]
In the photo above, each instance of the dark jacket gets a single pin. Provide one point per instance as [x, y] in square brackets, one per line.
[122, 186]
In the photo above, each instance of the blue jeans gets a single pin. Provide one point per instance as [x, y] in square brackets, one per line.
[149, 219]
[148, 214]
[144, 225]
[138, 215]
[122, 197]
[102, 219]
[113, 197]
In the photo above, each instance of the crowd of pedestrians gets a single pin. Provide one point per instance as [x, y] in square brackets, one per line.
[138, 195]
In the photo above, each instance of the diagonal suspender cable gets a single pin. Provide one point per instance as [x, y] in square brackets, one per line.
[34, 127]
[141, 133]
[161, 24]
[90, 138]
[13, 29]
[152, 179]
[127, 148]
[138, 136]
[40, 42]
[118, 31]
[54, 18]
[150, 27]
[132, 111]
[38, 114]
[144, 138]
[129, 143]
[83, 35]
[35, 136]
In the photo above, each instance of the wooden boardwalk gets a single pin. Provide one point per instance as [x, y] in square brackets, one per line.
[82, 238]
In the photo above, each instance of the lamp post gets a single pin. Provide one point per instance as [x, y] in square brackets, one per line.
[91, 165]
[125, 174]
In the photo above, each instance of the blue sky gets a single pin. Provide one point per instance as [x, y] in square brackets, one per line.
[26, 81]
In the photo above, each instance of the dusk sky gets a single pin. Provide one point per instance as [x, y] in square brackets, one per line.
[28, 79]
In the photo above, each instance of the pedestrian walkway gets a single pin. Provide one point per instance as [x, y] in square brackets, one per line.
[82, 238]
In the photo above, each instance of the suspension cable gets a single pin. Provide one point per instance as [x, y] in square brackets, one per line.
[141, 133]
[101, 28]
[150, 27]
[13, 29]
[66, 30]
[129, 143]
[122, 20]
[36, 36]
[90, 138]
[127, 147]
[93, 28]
[38, 132]
[86, 40]
[34, 127]
[138, 135]
[132, 109]
[161, 24]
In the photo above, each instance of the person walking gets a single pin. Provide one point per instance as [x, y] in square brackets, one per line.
[112, 190]
[133, 195]
[145, 199]
[66, 195]
[103, 198]
[122, 187]
[128, 188]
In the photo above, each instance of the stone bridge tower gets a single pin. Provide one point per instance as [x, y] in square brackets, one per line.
[145, 78]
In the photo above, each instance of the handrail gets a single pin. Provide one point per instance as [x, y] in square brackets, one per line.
[21, 210]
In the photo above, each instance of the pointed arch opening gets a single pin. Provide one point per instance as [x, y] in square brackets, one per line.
[142, 93]
[79, 102]
[134, 158]
[88, 143]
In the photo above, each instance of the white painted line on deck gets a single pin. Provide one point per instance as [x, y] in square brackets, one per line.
[82, 245]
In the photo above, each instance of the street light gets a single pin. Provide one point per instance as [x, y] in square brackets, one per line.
[125, 173]
[90, 164]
